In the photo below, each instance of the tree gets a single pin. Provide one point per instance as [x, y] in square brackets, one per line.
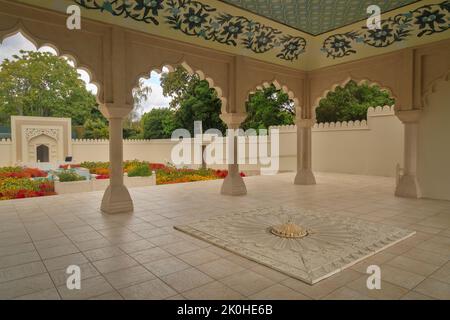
[192, 100]
[269, 107]
[350, 103]
[95, 129]
[41, 84]
[158, 124]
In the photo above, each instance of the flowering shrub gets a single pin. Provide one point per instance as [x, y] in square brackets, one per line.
[66, 166]
[142, 170]
[102, 177]
[18, 188]
[69, 175]
[19, 172]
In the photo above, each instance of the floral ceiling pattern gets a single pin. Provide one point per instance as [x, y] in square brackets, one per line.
[423, 21]
[316, 16]
[197, 19]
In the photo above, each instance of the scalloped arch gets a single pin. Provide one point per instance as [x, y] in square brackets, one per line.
[343, 83]
[172, 66]
[38, 43]
[278, 86]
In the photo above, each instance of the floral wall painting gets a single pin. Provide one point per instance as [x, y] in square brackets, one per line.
[197, 19]
[424, 21]
[202, 20]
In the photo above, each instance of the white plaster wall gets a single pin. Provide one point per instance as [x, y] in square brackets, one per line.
[372, 148]
[434, 144]
[5, 152]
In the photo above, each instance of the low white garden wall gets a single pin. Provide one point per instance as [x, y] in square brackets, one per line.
[371, 147]
[100, 185]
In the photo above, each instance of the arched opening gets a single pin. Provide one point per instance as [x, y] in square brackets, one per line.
[270, 105]
[357, 131]
[177, 98]
[43, 153]
[42, 82]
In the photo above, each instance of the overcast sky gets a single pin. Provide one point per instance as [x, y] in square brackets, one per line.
[14, 44]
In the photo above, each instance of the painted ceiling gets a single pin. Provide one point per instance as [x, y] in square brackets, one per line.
[316, 16]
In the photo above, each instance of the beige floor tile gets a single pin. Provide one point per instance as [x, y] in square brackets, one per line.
[345, 293]
[442, 274]
[127, 277]
[412, 265]
[57, 251]
[426, 256]
[186, 279]
[16, 249]
[114, 295]
[278, 292]
[150, 290]
[91, 287]
[21, 271]
[198, 257]
[134, 246]
[60, 276]
[24, 286]
[220, 268]
[412, 295]
[166, 266]
[247, 282]
[178, 248]
[20, 258]
[114, 263]
[150, 255]
[400, 277]
[65, 261]
[212, 291]
[49, 294]
[324, 287]
[102, 253]
[388, 291]
[434, 288]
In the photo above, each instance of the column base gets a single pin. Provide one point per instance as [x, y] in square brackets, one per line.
[117, 199]
[305, 177]
[233, 186]
[408, 187]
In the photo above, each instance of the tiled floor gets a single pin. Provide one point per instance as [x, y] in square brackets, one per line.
[140, 256]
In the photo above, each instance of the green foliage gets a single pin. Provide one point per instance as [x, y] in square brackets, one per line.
[269, 107]
[351, 102]
[95, 129]
[201, 104]
[69, 175]
[142, 170]
[192, 100]
[41, 84]
[91, 165]
[158, 124]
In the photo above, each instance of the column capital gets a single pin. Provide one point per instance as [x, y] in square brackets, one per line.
[233, 120]
[115, 111]
[305, 123]
[408, 116]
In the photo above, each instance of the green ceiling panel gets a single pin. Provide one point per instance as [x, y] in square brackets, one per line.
[316, 16]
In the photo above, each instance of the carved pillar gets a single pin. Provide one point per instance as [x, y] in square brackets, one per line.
[233, 185]
[116, 199]
[408, 185]
[304, 176]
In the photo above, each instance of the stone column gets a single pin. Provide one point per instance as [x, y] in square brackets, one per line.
[304, 176]
[408, 185]
[233, 185]
[116, 199]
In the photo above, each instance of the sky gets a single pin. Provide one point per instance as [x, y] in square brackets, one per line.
[12, 45]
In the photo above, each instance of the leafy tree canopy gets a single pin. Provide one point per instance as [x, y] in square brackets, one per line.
[41, 84]
[158, 124]
[350, 103]
[269, 107]
[192, 100]
[95, 129]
